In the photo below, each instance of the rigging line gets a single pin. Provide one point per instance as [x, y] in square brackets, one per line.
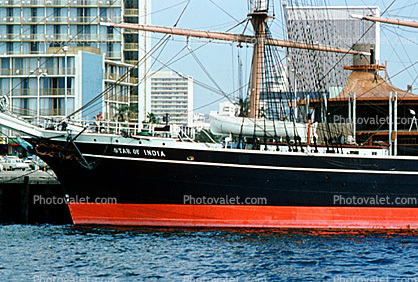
[92, 108]
[406, 38]
[345, 54]
[270, 66]
[98, 101]
[244, 21]
[181, 14]
[233, 66]
[165, 9]
[403, 17]
[277, 59]
[400, 57]
[219, 99]
[195, 81]
[224, 11]
[100, 95]
[403, 7]
[166, 65]
[206, 72]
[220, 25]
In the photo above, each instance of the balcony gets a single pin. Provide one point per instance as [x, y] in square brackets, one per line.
[32, 20]
[111, 76]
[56, 37]
[52, 112]
[56, 3]
[24, 92]
[110, 19]
[134, 98]
[130, 31]
[60, 71]
[56, 92]
[131, 13]
[131, 47]
[10, 20]
[85, 37]
[4, 92]
[111, 37]
[9, 3]
[78, 3]
[113, 55]
[33, 37]
[107, 3]
[56, 20]
[32, 3]
[5, 71]
[131, 62]
[21, 71]
[133, 80]
[84, 20]
[25, 112]
[116, 98]
[10, 37]
[13, 52]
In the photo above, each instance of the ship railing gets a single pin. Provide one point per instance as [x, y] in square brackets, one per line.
[123, 128]
[101, 127]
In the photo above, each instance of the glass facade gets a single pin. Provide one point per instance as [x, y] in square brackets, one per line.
[323, 72]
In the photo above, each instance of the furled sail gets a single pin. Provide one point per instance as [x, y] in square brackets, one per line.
[258, 127]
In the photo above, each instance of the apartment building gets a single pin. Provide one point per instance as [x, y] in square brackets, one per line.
[53, 87]
[172, 95]
[34, 32]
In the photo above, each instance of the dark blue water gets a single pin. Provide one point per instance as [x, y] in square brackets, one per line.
[66, 253]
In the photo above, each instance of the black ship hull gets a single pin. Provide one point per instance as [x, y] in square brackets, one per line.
[163, 186]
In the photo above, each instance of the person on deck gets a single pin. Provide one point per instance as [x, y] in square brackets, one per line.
[99, 118]
[375, 77]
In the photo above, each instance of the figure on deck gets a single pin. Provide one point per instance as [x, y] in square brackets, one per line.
[375, 77]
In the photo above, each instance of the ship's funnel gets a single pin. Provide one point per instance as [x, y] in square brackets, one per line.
[364, 60]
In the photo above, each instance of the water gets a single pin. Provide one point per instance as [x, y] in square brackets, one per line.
[67, 253]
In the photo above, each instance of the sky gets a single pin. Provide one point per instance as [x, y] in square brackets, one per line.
[220, 60]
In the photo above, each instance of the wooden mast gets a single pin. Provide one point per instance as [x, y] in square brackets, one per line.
[258, 20]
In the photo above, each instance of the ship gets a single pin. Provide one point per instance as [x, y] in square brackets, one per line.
[268, 181]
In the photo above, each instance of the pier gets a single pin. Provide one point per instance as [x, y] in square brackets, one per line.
[31, 197]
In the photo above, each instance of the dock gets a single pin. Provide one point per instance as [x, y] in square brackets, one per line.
[32, 197]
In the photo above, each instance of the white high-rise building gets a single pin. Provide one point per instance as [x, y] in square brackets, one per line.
[227, 109]
[37, 31]
[172, 95]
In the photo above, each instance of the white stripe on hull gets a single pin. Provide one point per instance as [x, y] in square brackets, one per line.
[257, 166]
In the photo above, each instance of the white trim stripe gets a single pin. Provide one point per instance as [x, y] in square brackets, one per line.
[258, 166]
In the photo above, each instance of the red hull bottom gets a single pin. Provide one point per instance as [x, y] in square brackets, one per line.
[244, 216]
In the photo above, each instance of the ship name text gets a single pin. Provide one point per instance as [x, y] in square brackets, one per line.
[139, 152]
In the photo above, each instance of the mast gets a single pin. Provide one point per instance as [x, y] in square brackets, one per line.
[259, 17]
